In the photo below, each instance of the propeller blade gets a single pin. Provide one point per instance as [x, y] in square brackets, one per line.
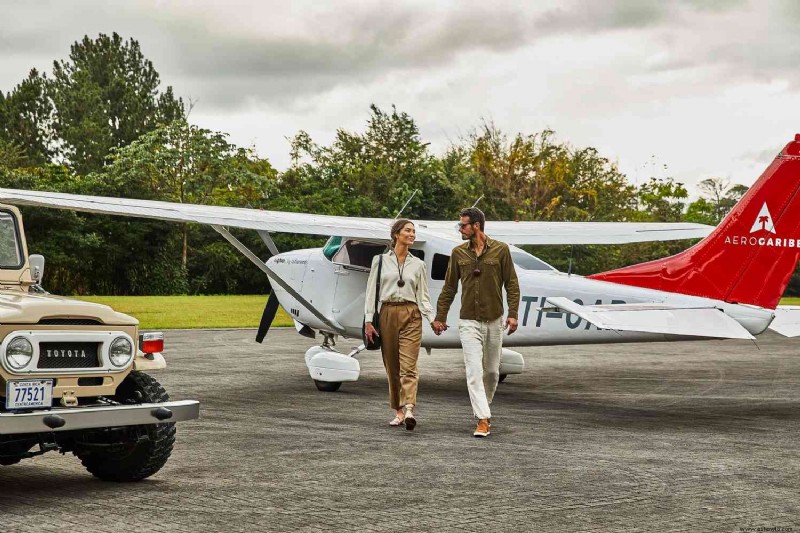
[266, 318]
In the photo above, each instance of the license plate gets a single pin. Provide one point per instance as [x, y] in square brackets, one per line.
[29, 394]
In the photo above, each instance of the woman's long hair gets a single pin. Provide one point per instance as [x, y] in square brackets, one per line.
[397, 227]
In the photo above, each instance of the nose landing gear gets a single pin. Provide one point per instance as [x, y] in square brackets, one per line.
[329, 368]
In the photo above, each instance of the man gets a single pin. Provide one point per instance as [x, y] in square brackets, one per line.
[484, 267]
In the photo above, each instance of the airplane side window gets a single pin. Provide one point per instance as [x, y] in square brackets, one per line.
[527, 261]
[439, 266]
[358, 253]
[419, 254]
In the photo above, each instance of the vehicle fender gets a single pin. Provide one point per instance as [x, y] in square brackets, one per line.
[152, 361]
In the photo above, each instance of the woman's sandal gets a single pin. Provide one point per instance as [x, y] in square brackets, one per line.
[397, 421]
[410, 421]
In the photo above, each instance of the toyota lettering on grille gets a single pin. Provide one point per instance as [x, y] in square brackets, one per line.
[66, 353]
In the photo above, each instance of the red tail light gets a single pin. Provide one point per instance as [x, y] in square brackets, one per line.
[151, 342]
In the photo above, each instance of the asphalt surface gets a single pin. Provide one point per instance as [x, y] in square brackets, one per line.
[695, 436]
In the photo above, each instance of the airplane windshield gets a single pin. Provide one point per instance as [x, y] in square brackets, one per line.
[526, 261]
[332, 246]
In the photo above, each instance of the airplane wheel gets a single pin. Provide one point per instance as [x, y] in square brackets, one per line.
[328, 386]
[503, 377]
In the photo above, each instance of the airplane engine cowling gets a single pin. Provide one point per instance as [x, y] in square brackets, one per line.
[330, 366]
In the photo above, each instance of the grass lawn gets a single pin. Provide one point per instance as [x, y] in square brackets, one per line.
[187, 312]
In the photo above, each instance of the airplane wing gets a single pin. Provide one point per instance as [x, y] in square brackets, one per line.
[238, 217]
[357, 227]
[577, 232]
[786, 321]
[657, 318]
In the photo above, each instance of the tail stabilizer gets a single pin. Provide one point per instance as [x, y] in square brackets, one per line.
[749, 257]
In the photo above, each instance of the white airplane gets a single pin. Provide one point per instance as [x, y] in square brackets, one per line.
[727, 286]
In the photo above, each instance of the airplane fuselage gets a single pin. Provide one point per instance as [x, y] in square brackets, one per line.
[336, 288]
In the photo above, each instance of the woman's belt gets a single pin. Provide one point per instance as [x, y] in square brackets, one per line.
[398, 303]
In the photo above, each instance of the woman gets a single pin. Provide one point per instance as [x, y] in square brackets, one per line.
[404, 301]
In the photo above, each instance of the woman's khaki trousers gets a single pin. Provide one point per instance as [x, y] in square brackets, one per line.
[401, 336]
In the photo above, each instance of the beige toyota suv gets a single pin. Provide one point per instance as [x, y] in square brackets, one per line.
[72, 375]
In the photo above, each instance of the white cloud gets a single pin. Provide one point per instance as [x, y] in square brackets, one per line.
[706, 88]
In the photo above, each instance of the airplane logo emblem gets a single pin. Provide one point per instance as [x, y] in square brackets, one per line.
[763, 221]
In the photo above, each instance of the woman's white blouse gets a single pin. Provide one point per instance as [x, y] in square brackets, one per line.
[415, 289]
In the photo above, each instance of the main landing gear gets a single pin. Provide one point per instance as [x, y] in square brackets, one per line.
[329, 368]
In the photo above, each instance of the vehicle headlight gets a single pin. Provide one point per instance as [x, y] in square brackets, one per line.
[19, 353]
[121, 352]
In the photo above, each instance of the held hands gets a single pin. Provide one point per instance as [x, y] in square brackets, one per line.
[511, 325]
[370, 332]
[438, 327]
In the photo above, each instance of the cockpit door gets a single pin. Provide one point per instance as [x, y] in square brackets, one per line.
[352, 264]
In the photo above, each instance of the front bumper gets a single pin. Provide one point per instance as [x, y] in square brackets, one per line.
[69, 419]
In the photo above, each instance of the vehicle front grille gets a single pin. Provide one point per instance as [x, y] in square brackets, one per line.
[70, 321]
[68, 355]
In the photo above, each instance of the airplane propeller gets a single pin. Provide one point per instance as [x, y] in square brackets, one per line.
[268, 315]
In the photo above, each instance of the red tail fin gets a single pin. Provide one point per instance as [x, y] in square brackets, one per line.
[749, 257]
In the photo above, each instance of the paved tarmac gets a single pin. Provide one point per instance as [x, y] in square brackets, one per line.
[694, 436]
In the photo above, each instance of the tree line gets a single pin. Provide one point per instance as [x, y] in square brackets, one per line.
[100, 124]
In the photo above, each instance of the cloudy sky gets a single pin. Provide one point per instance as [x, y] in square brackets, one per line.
[690, 89]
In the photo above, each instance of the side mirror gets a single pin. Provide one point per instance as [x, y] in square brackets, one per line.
[36, 262]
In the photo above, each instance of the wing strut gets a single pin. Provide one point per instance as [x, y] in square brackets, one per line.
[267, 238]
[277, 279]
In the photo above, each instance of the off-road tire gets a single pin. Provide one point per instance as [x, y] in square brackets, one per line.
[13, 450]
[145, 458]
[327, 386]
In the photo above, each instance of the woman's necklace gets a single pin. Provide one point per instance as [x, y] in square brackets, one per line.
[400, 268]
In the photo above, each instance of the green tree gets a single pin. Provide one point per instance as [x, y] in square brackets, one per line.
[26, 115]
[61, 236]
[662, 200]
[717, 200]
[180, 162]
[533, 177]
[105, 96]
[11, 155]
[366, 174]
[702, 211]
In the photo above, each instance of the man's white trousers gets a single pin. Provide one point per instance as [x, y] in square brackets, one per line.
[482, 343]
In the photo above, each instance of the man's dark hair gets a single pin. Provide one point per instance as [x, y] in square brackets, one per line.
[475, 215]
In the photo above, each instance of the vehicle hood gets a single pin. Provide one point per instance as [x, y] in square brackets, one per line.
[25, 308]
